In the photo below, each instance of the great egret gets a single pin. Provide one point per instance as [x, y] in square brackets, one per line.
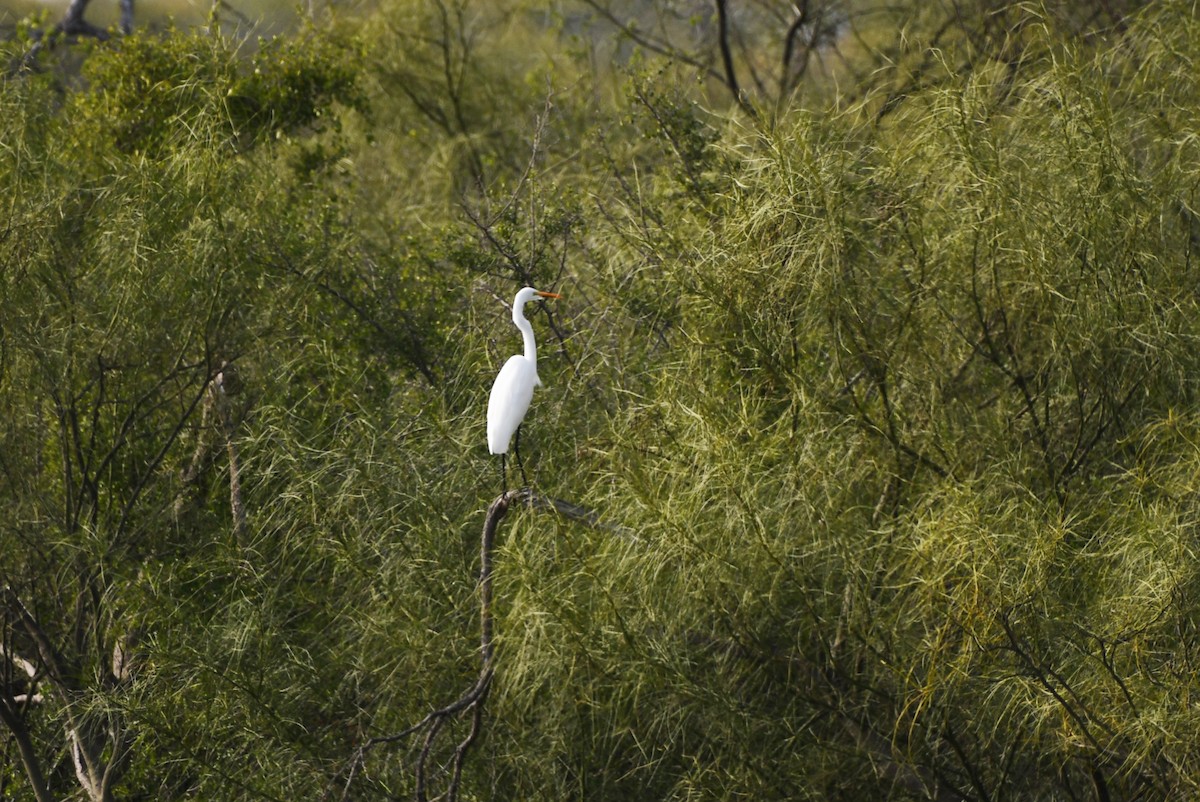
[513, 389]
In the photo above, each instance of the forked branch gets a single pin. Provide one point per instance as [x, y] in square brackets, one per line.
[473, 699]
[73, 26]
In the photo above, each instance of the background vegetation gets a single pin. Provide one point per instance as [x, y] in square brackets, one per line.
[877, 358]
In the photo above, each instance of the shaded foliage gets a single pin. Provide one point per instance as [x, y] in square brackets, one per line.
[886, 399]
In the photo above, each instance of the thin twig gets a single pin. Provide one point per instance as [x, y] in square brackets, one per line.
[662, 48]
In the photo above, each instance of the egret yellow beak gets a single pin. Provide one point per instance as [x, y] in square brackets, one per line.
[548, 294]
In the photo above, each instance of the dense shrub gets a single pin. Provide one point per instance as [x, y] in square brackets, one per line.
[884, 407]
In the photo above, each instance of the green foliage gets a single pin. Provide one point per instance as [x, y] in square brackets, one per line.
[149, 89]
[151, 93]
[144, 254]
[921, 359]
[294, 80]
[889, 418]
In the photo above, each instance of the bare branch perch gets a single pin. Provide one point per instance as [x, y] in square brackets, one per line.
[474, 698]
[574, 512]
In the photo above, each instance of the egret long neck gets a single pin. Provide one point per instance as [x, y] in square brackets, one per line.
[527, 334]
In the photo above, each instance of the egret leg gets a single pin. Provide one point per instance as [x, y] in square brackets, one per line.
[520, 464]
[503, 476]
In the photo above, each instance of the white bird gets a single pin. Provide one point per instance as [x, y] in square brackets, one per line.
[514, 385]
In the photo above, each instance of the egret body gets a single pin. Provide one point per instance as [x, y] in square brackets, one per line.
[514, 385]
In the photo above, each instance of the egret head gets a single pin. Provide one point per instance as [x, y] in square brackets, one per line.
[526, 295]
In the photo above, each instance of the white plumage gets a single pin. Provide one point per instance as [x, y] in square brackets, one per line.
[513, 390]
[510, 399]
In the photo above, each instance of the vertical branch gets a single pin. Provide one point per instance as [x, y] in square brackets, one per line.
[789, 46]
[126, 17]
[487, 543]
[29, 758]
[73, 22]
[727, 58]
[476, 696]
[226, 384]
[455, 76]
[200, 453]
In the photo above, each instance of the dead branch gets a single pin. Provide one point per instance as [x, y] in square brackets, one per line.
[574, 512]
[663, 48]
[11, 718]
[60, 670]
[228, 384]
[72, 27]
[789, 45]
[474, 698]
[731, 80]
[218, 399]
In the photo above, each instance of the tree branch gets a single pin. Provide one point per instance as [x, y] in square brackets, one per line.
[474, 698]
[29, 757]
[789, 44]
[227, 384]
[60, 669]
[74, 25]
[20, 662]
[727, 59]
[654, 46]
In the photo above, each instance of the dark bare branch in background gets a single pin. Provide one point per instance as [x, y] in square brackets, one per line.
[73, 26]
[73, 23]
[225, 387]
[731, 79]
[661, 46]
[790, 71]
[739, 38]
[20, 673]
